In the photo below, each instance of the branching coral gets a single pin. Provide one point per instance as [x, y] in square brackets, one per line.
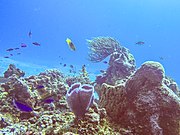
[101, 47]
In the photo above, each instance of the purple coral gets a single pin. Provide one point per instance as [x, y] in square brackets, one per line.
[79, 98]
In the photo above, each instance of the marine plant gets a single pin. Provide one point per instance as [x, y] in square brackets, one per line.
[101, 47]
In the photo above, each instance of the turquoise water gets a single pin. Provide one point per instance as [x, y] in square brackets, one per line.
[157, 23]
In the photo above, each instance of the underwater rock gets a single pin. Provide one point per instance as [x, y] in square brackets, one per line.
[144, 104]
[113, 100]
[79, 98]
[13, 70]
[150, 74]
[121, 66]
[170, 83]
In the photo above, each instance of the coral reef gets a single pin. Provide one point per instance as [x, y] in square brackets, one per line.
[121, 66]
[170, 83]
[143, 104]
[141, 101]
[61, 123]
[26, 91]
[70, 80]
[51, 117]
[13, 70]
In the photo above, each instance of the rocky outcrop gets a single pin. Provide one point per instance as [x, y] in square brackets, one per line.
[13, 70]
[121, 66]
[143, 104]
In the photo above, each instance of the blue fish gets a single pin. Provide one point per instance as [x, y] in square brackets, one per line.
[36, 43]
[48, 100]
[22, 107]
[10, 49]
[140, 43]
[39, 87]
[105, 62]
[30, 34]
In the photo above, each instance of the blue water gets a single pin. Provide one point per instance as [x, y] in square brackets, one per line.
[157, 23]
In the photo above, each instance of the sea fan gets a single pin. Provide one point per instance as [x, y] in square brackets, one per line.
[101, 47]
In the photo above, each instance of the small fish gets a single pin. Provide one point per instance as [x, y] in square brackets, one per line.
[39, 87]
[36, 43]
[105, 62]
[83, 68]
[48, 100]
[71, 66]
[161, 58]
[64, 65]
[17, 48]
[22, 106]
[10, 49]
[6, 56]
[18, 53]
[70, 44]
[23, 45]
[102, 71]
[30, 34]
[61, 58]
[11, 54]
[140, 43]
[2, 119]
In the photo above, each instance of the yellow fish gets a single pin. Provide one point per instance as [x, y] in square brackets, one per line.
[70, 44]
